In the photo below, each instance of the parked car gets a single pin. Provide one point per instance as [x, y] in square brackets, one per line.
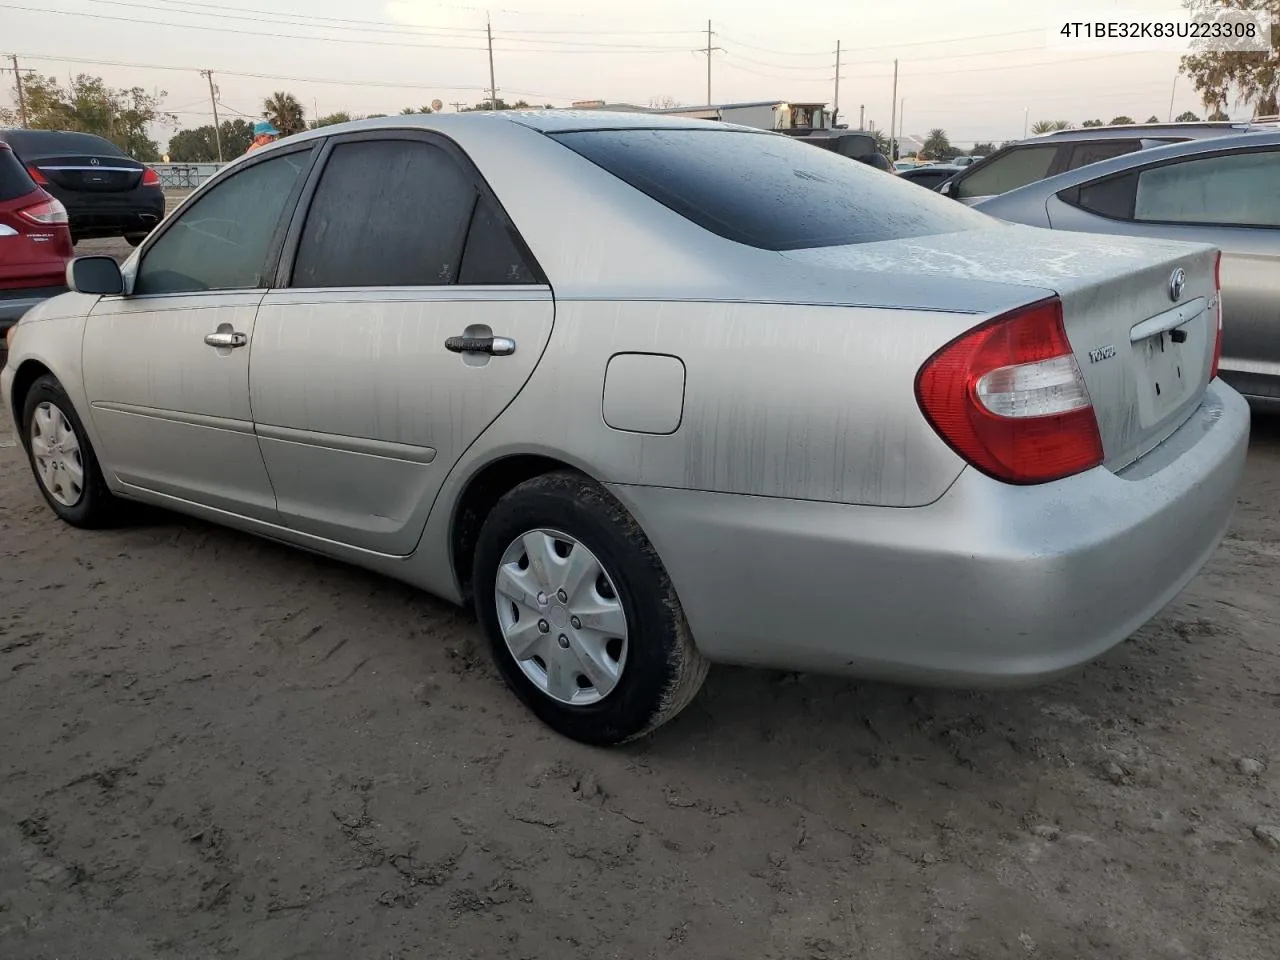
[106, 192]
[1224, 191]
[968, 160]
[932, 176]
[35, 244]
[753, 404]
[1052, 153]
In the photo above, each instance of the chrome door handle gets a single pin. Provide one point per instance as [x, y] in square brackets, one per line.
[494, 346]
[221, 339]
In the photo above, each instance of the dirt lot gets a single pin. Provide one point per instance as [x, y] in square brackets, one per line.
[215, 746]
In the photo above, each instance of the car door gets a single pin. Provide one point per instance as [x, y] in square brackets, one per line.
[364, 391]
[1228, 198]
[166, 367]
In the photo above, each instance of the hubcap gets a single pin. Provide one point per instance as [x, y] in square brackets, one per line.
[56, 451]
[561, 617]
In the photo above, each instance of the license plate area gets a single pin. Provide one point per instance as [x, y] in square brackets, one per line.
[1169, 366]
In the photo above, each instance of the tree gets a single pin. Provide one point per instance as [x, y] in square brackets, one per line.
[1186, 117]
[326, 121]
[982, 149]
[499, 104]
[87, 105]
[1115, 121]
[198, 145]
[1153, 119]
[1250, 78]
[285, 113]
[1092, 123]
[664, 102]
[936, 144]
[410, 111]
[1218, 114]
[1048, 126]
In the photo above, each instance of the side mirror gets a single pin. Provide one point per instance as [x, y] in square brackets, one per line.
[99, 276]
[945, 189]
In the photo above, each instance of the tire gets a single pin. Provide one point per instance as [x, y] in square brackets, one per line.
[656, 669]
[94, 506]
[133, 239]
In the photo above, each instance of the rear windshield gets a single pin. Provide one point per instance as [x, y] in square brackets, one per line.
[30, 144]
[14, 180]
[770, 191]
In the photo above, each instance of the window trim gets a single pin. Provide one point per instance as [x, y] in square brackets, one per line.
[302, 208]
[276, 244]
[1137, 173]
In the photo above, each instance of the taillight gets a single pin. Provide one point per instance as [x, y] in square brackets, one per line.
[1217, 296]
[1009, 398]
[150, 178]
[47, 213]
[40, 179]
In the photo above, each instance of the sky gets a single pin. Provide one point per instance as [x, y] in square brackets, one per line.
[981, 70]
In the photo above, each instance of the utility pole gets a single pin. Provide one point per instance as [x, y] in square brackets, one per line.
[1172, 94]
[902, 112]
[1026, 115]
[862, 116]
[22, 99]
[457, 106]
[835, 106]
[213, 102]
[493, 90]
[708, 50]
[893, 115]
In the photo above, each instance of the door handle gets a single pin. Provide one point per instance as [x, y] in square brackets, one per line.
[226, 339]
[494, 346]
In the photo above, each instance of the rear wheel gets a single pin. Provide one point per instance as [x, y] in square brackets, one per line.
[583, 622]
[62, 458]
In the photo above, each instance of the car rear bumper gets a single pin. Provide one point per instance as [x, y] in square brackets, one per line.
[14, 303]
[113, 214]
[992, 584]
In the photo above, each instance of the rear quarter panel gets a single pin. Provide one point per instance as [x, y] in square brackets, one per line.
[51, 335]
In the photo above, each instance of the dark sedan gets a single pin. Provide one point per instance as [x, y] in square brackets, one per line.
[932, 175]
[106, 192]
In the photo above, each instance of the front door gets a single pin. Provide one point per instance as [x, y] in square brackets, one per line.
[363, 394]
[166, 367]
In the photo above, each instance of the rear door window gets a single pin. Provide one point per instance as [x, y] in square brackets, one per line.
[14, 179]
[1083, 154]
[386, 213]
[1237, 189]
[769, 191]
[1017, 168]
[225, 240]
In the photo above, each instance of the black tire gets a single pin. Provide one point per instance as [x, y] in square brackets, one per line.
[133, 239]
[663, 670]
[96, 507]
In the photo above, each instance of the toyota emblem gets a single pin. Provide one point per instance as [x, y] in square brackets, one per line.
[1177, 280]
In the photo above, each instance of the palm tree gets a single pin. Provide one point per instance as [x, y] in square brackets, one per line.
[285, 113]
[1048, 126]
[936, 145]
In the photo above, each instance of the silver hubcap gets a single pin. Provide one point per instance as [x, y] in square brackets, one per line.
[56, 451]
[561, 617]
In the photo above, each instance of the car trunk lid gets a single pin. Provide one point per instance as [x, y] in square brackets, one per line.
[88, 173]
[1145, 354]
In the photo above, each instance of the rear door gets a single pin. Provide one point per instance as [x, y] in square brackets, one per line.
[1008, 170]
[363, 398]
[1229, 199]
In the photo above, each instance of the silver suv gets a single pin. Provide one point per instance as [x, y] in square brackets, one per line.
[1052, 153]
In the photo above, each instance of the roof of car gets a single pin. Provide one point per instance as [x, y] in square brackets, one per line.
[1148, 130]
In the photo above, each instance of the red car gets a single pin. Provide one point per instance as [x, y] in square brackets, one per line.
[35, 242]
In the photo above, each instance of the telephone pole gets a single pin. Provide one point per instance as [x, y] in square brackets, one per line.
[893, 115]
[213, 102]
[835, 106]
[22, 99]
[457, 106]
[493, 90]
[862, 116]
[902, 112]
[708, 50]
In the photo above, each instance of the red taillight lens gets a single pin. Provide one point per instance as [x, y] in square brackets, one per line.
[47, 213]
[1217, 296]
[150, 178]
[1010, 399]
[37, 176]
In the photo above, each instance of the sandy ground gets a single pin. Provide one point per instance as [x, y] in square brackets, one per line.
[215, 746]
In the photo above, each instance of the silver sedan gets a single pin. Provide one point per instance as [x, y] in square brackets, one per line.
[1224, 191]
[652, 393]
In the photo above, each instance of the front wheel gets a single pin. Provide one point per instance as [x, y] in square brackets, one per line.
[62, 458]
[582, 619]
